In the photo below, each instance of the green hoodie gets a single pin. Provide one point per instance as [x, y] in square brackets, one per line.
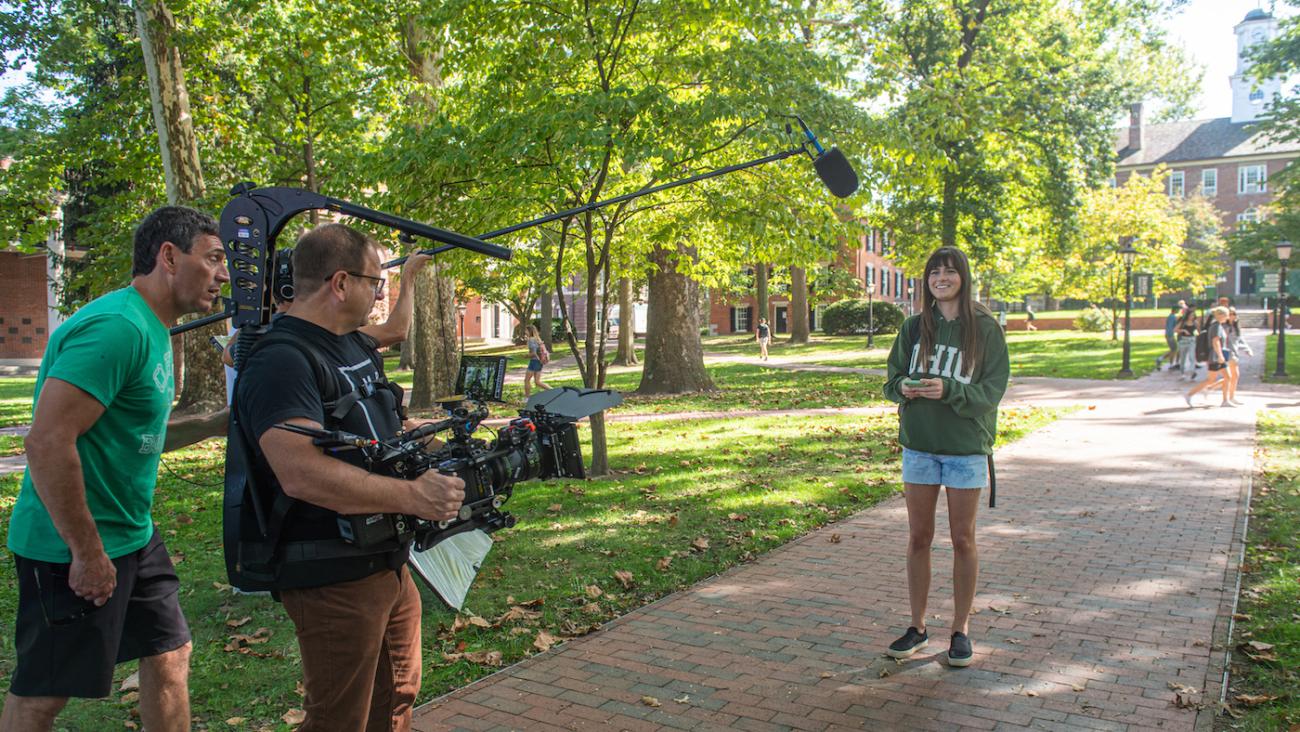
[965, 421]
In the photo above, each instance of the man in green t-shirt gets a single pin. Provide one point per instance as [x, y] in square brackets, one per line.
[95, 584]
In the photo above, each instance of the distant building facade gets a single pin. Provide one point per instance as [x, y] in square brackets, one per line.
[1223, 159]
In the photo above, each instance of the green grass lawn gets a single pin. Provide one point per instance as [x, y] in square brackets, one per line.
[1072, 314]
[1265, 690]
[10, 445]
[1292, 359]
[16, 400]
[1065, 354]
[688, 499]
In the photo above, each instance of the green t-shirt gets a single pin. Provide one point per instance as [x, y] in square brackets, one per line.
[116, 350]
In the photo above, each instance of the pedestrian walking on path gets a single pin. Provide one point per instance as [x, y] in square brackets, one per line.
[763, 334]
[1218, 359]
[538, 357]
[1186, 332]
[948, 371]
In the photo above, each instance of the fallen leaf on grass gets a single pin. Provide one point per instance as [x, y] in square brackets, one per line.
[235, 721]
[517, 613]
[294, 716]
[591, 608]
[737, 516]
[1252, 700]
[483, 658]
[130, 683]
[130, 697]
[700, 544]
[624, 578]
[1257, 645]
[650, 701]
[593, 591]
[555, 508]
[662, 564]
[543, 641]
[236, 623]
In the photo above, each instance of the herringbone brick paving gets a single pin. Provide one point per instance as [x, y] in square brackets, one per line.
[1105, 578]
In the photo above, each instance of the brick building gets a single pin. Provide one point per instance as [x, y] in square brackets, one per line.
[1223, 159]
[867, 261]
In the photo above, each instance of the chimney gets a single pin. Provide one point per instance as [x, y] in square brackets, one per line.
[1135, 126]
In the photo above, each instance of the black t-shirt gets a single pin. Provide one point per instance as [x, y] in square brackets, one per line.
[278, 383]
[763, 331]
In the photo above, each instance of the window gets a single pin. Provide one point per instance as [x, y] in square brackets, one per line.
[1176, 184]
[884, 282]
[1209, 182]
[1256, 96]
[1249, 216]
[871, 274]
[1252, 179]
[742, 319]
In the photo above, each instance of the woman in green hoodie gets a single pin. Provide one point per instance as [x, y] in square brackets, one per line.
[948, 370]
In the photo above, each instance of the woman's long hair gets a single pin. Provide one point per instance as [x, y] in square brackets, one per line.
[967, 308]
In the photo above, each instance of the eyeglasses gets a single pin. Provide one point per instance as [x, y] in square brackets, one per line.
[379, 281]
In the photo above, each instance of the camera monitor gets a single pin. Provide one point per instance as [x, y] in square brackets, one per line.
[481, 377]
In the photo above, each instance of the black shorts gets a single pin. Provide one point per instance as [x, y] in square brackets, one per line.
[67, 647]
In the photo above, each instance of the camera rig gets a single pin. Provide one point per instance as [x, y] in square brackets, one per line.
[542, 443]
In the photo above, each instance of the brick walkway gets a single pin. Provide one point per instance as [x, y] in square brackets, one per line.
[1107, 571]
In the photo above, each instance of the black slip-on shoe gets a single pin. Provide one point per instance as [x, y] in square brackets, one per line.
[911, 642]
[960, 651]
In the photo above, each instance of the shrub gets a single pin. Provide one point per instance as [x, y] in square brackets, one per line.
[1093, 320]
[848, 317]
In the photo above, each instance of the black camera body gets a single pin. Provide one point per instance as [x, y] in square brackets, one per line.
[542, 443]
[536, 446]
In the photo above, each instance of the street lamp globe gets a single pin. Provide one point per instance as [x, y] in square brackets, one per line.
[1283, 251]
[1127, 251]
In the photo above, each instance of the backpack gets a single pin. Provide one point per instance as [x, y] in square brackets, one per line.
[543, 355]
[1203, 345]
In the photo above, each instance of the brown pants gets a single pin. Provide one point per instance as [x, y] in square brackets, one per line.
[360, 646]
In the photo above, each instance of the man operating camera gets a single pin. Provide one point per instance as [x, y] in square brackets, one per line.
[356, 611]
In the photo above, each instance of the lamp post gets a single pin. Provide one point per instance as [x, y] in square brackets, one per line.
[1129, 254]
[460, 310]
[871, 317]
[1283, 254]
[911, 299]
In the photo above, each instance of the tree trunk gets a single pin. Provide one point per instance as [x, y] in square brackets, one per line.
[948, 224]
[406, 353]
[435, 358]
[761, 294]
[202, 383]
[674, 358]
[626, 355]
[798, 305]
[547, 306]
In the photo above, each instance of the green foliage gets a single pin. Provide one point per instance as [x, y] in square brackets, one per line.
[1094, 320]
[1002, 115]
[853, 316]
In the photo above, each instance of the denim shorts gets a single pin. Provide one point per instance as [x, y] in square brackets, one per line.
[952, 471]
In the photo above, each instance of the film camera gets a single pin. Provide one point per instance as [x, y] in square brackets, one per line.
[540, 444]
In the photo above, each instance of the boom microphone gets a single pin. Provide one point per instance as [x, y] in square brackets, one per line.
[832, 167]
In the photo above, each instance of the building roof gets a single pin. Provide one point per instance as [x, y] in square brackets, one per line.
[1205, 139]
[1257, 14]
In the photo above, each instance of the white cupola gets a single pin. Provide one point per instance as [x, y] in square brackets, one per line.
[1250, 98]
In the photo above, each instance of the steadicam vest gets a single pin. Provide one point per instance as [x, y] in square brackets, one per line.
[257, 511]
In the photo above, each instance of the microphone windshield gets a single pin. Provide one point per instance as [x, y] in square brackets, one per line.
[836, 172]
